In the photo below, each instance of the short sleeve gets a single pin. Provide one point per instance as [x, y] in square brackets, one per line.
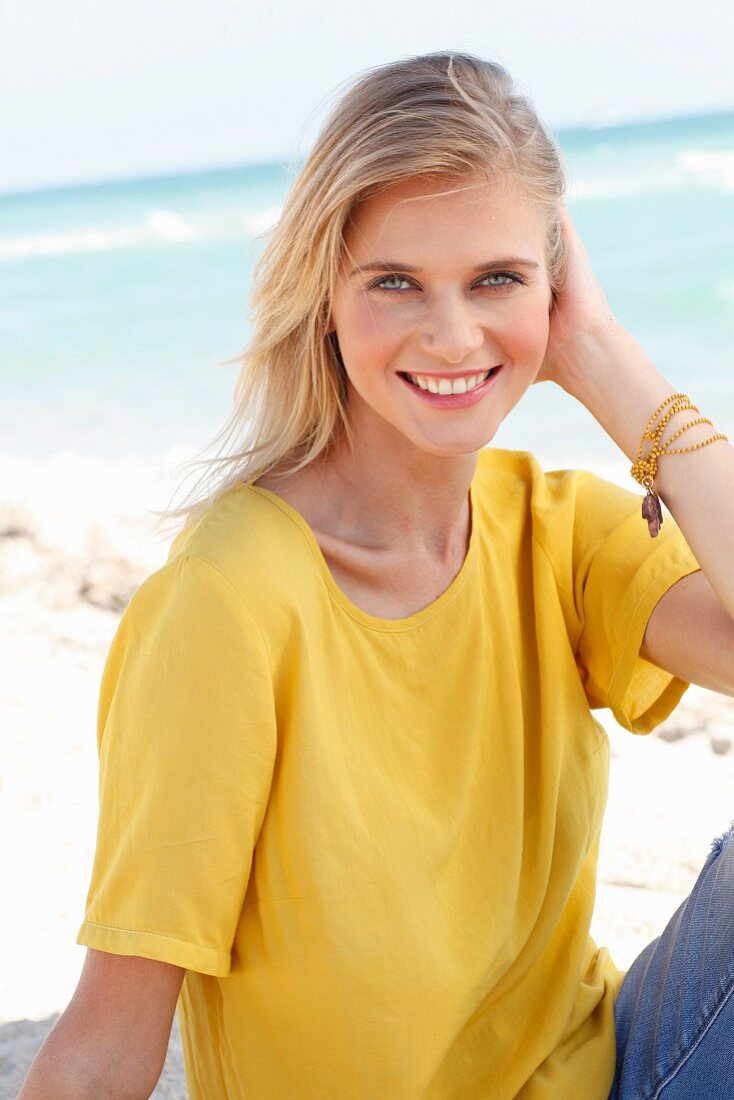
[619, 575]
[187, 738]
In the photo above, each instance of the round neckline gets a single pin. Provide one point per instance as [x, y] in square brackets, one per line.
[376, 622]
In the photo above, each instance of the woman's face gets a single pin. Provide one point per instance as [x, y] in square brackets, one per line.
[447, 287]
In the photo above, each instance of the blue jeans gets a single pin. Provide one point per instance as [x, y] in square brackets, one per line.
[674, 1012]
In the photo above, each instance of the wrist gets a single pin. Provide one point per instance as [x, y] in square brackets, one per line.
[609, 373]
[604, 361]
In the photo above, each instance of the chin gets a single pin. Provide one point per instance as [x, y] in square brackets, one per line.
[448, 448]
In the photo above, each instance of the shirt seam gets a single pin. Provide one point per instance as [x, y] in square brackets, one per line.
[158, 935]
[559, 585]
[546, 555]
[652, 583]
[401, 629]
[190, 555]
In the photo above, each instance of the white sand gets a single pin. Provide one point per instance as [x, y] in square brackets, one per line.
[75, 542]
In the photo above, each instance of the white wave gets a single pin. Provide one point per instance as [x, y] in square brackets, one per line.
[170, 226]
[709, 167]
[629, 184]
[158, 225]
[58, 244]
[725, 291]
[691, 167]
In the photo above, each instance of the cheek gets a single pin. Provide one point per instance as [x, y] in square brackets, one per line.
[528, 334]
[366, 329]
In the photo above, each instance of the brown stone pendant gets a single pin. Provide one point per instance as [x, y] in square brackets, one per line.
[652, 512]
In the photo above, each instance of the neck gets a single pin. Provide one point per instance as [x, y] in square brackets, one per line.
[393, 498]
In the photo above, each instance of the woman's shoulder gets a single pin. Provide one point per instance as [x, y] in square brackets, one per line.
[575, 515]
[560, 509]
[513, 482]
[521, 474]
[252, 541]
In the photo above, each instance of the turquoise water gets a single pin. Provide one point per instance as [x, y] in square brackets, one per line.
[119, 302]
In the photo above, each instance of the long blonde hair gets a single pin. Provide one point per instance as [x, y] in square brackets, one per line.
[447, 115]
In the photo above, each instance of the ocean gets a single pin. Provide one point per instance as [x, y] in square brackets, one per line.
[120, 302]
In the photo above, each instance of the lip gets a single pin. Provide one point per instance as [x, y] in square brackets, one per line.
[454, 400]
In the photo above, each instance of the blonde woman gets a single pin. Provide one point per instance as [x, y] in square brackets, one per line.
[351, 786]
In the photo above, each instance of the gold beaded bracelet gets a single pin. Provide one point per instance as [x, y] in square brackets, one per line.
[643, 470]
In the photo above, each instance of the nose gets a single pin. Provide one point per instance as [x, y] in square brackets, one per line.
[451, 331]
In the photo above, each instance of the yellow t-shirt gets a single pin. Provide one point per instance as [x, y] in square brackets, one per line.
[372, 843]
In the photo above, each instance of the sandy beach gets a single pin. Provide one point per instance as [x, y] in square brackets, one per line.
[75, 542]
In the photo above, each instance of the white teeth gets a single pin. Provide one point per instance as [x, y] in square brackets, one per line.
[449, 385]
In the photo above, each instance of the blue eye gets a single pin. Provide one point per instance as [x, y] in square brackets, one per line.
[395, 283]
[501, 275]
[509, 277]
[378, 284]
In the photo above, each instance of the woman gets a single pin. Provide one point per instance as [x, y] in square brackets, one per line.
[351, 788]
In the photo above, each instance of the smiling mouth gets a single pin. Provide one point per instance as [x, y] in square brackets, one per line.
[448, 385]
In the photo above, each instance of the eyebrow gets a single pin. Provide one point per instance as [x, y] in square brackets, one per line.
[393, 265]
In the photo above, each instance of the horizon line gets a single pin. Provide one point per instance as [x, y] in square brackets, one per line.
[600, 124]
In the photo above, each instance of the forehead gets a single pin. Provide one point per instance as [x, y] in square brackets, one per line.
[472, 206]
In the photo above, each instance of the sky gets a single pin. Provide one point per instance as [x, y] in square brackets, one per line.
[106, 89]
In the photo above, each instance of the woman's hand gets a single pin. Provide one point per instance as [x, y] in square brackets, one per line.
[580, 307]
